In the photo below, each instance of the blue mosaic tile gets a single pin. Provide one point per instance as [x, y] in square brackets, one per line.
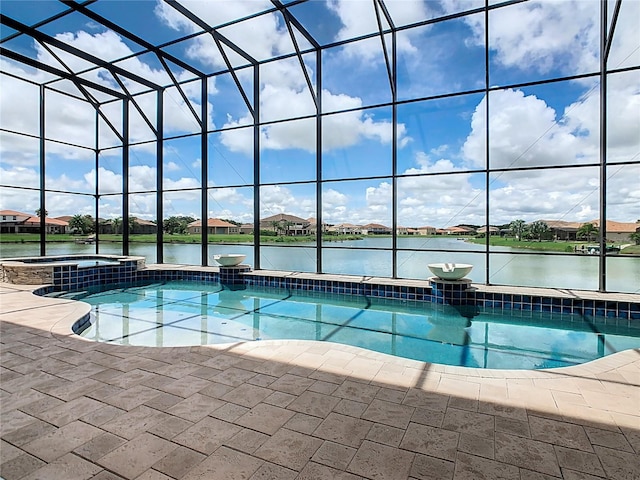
[70, 278]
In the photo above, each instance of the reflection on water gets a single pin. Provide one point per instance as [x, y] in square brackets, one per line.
[450, 323]
[230, 302]
[576, 271]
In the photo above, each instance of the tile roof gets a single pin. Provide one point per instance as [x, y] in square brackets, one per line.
[212, 222]
[13, 212]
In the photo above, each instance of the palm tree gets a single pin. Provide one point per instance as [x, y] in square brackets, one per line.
[117, 223]
[78, 224]
[518, 227]
[286, 226]
[538, 228]
[276, 226]
[587, 230]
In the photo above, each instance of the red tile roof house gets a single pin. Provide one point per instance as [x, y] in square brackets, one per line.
[375, 229]
[618, 231]
[615, 231]
[427, 230]
[492, 230]
[459, 231]
[289, 224]
[214, 226]
[19, 222]
[346, 229]
[144, 226]
[10, 220]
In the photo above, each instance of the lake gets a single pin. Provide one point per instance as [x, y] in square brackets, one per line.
[359, 257]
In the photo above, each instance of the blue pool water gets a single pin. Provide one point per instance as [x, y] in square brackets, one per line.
[97, 263]
[183, 313]
[82, 262]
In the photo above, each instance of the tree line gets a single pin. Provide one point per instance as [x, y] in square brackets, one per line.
[539, 230]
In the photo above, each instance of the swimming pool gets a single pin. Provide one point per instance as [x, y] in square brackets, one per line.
[184, 313]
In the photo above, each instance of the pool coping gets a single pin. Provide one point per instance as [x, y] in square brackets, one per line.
[60, 325]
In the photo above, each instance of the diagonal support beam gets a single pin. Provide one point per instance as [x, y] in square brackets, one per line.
[60, 73]
[232, 71]
[180, 90]
[208, 28]
[90, 98]
[296, 23]
[379, 5]
[612, 29]
[219, 40]
[42, 37]
[286, 15]
[45, 21]
[136, 105]
[125, 33]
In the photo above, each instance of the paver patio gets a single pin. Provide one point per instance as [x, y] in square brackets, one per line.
[75, 409]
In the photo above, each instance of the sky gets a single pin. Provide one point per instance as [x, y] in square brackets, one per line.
[530, 126]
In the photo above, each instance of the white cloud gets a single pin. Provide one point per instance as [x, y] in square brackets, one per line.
[541, 35]
[358, 17]
[28, 201]
[143, 206]
[109, 181]
[18, 150]
[229, 195]
[438, 200]
[332, 199]
[23, 109]
[335, 206]
[379, 197]
[524, 131]
[287, 74]
[623, 119]
[171, 167]
[550, 195]
[20, 176]
[276, 199]
[339, 130]
[141, 178]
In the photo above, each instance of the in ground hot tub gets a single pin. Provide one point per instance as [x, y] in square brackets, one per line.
[69, 272]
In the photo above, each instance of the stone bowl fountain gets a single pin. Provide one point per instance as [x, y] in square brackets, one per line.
[450, 271]
[229, 259]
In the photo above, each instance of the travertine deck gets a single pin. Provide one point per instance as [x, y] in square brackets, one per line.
[74, 409]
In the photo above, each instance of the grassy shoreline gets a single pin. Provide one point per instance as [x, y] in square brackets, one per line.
[151, 238]
[548, 245]
[544, 246]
